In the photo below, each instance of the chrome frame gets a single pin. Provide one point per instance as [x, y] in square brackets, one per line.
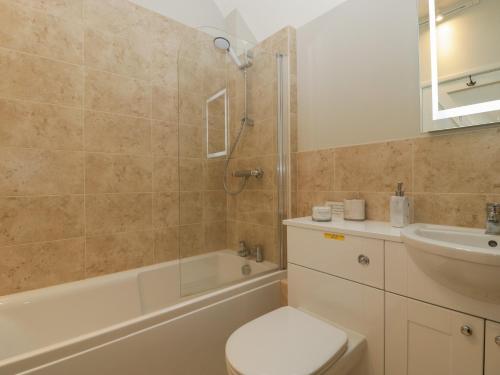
[283, 151]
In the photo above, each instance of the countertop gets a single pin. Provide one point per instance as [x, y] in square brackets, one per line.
[370, 229]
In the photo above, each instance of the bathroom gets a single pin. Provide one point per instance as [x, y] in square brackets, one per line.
[211, 187]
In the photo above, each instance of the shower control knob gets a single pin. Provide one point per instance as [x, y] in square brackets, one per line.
[497, 340]
[466, 330]
[363, 260]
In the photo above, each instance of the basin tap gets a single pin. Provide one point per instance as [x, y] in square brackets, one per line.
[243, 251]
[257, 253]
[493, 218]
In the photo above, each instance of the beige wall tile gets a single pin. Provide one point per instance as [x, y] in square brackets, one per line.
[112, 213]
[106, 173]
[130, 57]
[26, 124]
[165, 103]
[165, 173]
[118, 252]
[191, 108]
[191, 174]
[35, 78]
[215, 235]
[67, 9]
[458, 163]
[190, 142]
[40, 172]
[374, 167]
[36, 219]
[117, 17]
[117, 134]
[40, 265]
[165, 139]
[165, 210]
[167, 244]
[253, 206]
[315, 170]
[191, 240]
[214, 174]
[27, 30]
[191, 207]
[377, 205]
[466, 210]
[164, 67]
[214, 205]
[113, 93]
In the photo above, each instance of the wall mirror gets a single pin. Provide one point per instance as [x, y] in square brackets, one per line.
[216, 125]
[459, 63]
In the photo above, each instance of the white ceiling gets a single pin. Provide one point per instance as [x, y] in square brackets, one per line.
[265, 17]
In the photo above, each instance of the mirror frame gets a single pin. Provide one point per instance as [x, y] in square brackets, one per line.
[467, 110]
[218, 154]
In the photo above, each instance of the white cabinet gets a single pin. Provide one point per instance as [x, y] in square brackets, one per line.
[423, 339]
[492, 354]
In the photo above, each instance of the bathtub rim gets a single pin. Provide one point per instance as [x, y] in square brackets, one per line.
[50, 353]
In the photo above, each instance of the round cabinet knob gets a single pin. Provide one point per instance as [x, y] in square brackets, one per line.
[363, 260]
[497, 340]
[466, 330]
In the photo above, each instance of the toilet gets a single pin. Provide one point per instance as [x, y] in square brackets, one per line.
[288, 341]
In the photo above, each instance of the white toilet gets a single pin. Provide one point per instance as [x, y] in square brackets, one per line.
[288, 341]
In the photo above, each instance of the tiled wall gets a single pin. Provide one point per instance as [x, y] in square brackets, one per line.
[449, 176]
[252, 214]
[89, 177]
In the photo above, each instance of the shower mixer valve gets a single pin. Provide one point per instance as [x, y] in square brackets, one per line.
[257, 173]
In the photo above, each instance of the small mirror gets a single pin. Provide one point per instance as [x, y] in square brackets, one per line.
[459, 63]
[216, 125]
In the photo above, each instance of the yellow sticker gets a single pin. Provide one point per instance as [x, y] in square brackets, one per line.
[333, 236]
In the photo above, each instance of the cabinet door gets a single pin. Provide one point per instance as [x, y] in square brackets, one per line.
[423, 339]
[492, 355]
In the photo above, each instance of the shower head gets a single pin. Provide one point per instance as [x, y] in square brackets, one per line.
[224, 44]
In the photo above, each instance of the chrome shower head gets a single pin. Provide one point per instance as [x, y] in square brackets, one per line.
[222, 43]
[225, 45]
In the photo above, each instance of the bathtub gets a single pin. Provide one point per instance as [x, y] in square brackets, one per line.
[138, 321]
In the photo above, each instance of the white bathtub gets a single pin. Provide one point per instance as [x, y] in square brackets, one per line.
[136, 322]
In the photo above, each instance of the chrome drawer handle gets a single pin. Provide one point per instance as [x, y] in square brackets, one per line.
[497, 340]
[466, 330]
[363, 260]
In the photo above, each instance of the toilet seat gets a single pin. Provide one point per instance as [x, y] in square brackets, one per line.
[285, 341]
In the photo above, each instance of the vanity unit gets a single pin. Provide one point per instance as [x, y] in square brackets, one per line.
[409, 295]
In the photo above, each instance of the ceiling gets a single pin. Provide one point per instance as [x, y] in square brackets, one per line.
[265, 17]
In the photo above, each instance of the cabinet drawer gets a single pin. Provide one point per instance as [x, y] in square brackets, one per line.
[492, 355]
[354, 258]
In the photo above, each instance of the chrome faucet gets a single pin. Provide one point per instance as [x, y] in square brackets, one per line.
[493, 218]
[245, 252]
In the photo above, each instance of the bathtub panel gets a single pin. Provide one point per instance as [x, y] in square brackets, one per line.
[191, 344]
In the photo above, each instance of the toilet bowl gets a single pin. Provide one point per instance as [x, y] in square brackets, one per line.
[288, 341]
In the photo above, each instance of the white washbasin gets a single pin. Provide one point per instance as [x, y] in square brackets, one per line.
[465, 260]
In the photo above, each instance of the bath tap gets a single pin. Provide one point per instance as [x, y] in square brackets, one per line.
[493, 218]
[257, 254]
[243, 251]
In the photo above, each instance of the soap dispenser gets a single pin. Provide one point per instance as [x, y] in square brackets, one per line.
[400, 208]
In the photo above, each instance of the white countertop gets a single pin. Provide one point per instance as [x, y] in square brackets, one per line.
[371, 229]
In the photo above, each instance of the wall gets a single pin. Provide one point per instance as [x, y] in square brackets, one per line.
[89, 140]
[359, 123]
[449, 177]
[193, 13]
[358, 74]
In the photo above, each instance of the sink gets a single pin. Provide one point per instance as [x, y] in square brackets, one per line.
[464, 260]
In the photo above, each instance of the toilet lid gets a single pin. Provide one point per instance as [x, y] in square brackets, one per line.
[285, 342]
